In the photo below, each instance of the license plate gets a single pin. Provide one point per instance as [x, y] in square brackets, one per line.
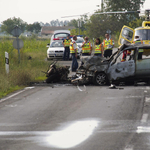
[58, 54]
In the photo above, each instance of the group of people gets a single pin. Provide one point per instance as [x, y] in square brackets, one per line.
[100, 48]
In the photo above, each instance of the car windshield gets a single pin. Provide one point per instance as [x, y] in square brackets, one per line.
[61, 35]
[56, 44]
[79, 40]
[144, 34]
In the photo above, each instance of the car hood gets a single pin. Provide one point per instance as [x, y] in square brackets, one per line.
[94, 63]
[55, 48]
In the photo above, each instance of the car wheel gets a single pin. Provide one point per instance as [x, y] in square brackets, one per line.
[100, 79]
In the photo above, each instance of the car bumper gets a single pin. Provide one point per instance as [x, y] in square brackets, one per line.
[55, 55]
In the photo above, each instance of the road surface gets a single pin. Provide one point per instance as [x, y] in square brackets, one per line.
[63, 116]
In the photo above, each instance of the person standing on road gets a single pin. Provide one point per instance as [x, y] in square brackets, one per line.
[66, 44]
[86, 47]
[138, 41]
[73, 51]
[98, 48]
[106, 43]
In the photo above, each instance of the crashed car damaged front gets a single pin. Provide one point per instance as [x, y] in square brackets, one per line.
[101, 71]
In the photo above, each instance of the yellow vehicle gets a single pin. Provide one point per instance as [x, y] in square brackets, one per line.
[128, 34]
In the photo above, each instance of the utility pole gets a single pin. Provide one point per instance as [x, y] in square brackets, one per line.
[79, 25]
[102, 5]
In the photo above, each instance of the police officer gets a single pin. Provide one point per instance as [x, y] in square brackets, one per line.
[98, 48]
[138, 41]
[73, 51]
[106, 43]
[86, 47]
[66, 44]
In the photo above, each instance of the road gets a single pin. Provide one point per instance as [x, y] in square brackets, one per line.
[63, 116]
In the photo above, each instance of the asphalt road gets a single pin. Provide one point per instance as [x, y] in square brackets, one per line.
[80, 118]
[63, 116]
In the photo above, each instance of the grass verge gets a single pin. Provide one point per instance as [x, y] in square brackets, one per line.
[29, 69]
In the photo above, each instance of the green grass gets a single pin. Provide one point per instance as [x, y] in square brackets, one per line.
[28, 70]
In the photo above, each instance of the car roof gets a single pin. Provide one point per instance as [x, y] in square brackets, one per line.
[61, 31]
[134, 46]
[57, 41]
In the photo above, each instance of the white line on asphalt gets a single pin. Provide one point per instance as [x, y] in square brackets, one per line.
[4, 99]
[141, 129]
[129, 148]
[147, 99]
[144, 118]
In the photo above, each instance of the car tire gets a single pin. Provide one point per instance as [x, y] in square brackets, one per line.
[100, 79]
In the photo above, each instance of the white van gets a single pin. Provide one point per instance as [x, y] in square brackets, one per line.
[59, 35]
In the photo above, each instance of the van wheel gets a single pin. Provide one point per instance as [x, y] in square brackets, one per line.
[100, 79]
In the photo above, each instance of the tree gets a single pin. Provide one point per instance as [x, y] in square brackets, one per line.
[97, 25]
[137, 22]
[35, 27]
[9, 24]
[74, 23]
[30, 27]
[122, 5]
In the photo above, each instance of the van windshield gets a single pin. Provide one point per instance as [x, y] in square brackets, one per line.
[144, 34]
[61, 35]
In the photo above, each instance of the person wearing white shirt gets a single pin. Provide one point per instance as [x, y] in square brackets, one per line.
[73, 51]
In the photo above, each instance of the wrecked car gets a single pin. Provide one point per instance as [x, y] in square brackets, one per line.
[56, 74]
[101, 71]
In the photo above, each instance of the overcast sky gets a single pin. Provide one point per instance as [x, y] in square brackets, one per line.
[44, 11]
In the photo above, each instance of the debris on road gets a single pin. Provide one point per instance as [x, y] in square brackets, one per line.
[81, 89]
[112, 86]
[56, 74]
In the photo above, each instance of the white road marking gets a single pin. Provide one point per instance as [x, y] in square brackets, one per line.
[141, 129]
[4, 99]
[147, 99]
[129, 148]
[144, 118]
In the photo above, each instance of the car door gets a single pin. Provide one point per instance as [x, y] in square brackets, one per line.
[119, 69]
[126, 35]
[143, 65]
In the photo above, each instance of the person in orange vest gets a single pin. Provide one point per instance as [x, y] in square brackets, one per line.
[98, 48]
[86, 47]
[106, 43]
[66, 44]
[73, 51]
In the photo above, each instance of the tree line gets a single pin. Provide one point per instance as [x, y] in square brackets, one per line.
[93, 26]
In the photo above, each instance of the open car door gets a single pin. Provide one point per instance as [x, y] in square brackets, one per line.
[126, 35]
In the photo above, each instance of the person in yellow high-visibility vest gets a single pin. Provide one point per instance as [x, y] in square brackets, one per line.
[73, 51]
[98, 48]
[108, 46]
[66, 44]
[86, 47]
[138, 41]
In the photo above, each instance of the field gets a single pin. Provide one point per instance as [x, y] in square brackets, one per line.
[33, 55]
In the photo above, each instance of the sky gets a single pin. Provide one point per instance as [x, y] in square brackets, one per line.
[44, 11]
